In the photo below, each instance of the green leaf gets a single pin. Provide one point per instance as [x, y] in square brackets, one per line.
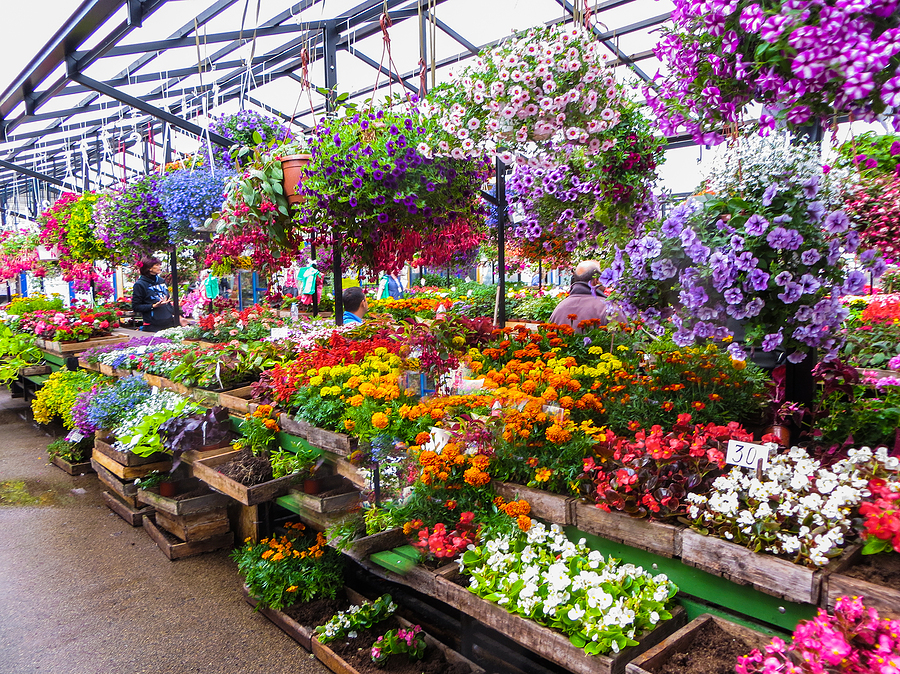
[875, 546]
[257, 138]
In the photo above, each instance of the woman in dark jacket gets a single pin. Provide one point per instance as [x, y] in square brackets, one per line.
[150, 297]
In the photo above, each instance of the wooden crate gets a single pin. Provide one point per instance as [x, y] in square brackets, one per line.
[84, 365]
[553, 508]
[128, 472]
[237, 400]
[301, 634]
[327, 504]
[195, 527]
[550, 644]
[174, 549]
[657, 537]
[72, 468]
[205, 469]
[336, 443]
[152, 379]
[383, 540]
[35, 370]
[130, 514]
[125, 490]
[837, 584]
[190, 506]
[774, 576]
[104, 444]
[193, 455]
[651, 661]
[74, 348]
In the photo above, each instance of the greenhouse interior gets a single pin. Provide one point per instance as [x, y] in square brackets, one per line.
[515, 337]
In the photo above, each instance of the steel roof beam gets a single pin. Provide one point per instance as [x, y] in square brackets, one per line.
[30, 173]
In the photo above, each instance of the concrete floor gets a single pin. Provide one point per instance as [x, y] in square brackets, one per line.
[82, 592]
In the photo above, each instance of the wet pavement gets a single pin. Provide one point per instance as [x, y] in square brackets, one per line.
[82, 592]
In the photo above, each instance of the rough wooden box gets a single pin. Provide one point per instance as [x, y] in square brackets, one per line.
[34, 370]
[383, 540]
[196, 526]
[103, 444]
[74, 348]
[336, 443]
[881, 597]
[683, 639]
[72, 468]
[327, 504]
[174, 549]
[205, 469]
[180, 507]
[554, 508]
[550, 644]
[125, 490]
[128, 472]
[236, 400]
[300, 633]
[657, 537]
[774, 576]
[129, 513]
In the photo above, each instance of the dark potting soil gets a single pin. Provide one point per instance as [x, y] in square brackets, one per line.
[356, 652]
[318, 611]
[247, 469]
[878, 569]
[713, 651]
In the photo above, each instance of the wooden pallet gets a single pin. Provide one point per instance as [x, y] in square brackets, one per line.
[175, 549]
[134, 516]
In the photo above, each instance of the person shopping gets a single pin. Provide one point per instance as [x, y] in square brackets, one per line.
[150, 297]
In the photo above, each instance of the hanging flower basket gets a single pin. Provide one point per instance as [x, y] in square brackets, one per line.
[48, 253]
[293, 167]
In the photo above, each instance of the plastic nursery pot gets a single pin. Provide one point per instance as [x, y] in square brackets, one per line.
[167, 489]
[312, 485]
[293, 167]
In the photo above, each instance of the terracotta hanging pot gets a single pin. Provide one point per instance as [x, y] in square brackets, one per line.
[293, 167]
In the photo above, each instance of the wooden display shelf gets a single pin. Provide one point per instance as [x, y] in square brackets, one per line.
[72, 468]
[328, 504]
[35, 370]
[237, 400]
[766, 573]
[134, 516]
[84, 365]
[174, 549]
[335, 443]
[383, 540]
[128, 472]
[554, 508]
[180, 507]
[657, 537]
[682, 640]
[881, 597]
[205, 469]
[195, 527]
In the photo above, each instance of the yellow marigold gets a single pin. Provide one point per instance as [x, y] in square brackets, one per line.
[480, 461]
[738, 364]
[271, 424]
[558, 435]
[265, 409]
[499, 501]
[349, 425]
[428, 458]
[292, 588]
[380, 420]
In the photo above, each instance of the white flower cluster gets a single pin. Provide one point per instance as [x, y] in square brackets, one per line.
[603, 605]
[157, 401]
[345, 623]
[798, 509]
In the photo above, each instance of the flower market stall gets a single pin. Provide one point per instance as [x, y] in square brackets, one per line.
[705, 480]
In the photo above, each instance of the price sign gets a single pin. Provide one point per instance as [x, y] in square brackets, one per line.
[746, 454]
[75, 436]
[281, 333]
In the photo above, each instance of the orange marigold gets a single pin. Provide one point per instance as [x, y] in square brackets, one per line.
[524, 522]
[380, 420]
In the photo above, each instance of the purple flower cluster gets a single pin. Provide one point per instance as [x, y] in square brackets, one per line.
[772, 269]
[91, 354]
[247, 128]
[373, 181]
[803, 59]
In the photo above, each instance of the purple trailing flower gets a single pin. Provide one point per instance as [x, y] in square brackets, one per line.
[810, 257]
[756, 225]
[772, 341]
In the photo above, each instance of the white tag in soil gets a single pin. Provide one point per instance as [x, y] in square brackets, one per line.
[281, 333]
[746, 454]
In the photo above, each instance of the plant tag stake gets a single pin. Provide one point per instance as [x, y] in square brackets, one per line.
[747, 455]
[74, 436]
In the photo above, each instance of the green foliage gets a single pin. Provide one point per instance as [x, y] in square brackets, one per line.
[284, 462]
[152, 479]
[437, 280]
[17, 350]
[73, 452]
[27, 305]
[870, 154]
[290, 569]
[409, 641]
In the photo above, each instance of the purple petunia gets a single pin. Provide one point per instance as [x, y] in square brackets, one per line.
[756, 225]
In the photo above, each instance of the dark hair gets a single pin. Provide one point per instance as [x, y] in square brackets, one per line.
[352, 297]
[146, 264]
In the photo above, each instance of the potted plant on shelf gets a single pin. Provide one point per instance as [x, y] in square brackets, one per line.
[198, 433]
[163, 481]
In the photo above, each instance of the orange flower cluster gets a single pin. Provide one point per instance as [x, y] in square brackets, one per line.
[518, 510]
[451, 464]
[283, 547]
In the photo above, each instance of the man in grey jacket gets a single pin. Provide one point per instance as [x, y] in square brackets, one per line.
[584, 302]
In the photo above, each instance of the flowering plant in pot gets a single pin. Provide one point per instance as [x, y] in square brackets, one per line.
[18, 253]
[802, 61]
[375, 184]
[764, 254]
[188, 198]
[249, 129]
[136, 219]
[68, 225]
[545, 83]
[581, 197]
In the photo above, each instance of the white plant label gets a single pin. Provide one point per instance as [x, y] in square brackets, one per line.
[746, 454]
[281, 333]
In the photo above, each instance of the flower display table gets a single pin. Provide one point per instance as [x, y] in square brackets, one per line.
[657, 537]
[74, 348]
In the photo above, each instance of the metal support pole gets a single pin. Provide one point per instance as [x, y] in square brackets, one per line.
[174, 264]
[331, 36]
[314, 265]
[338, 281]
[501, 238]
[540, 276]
